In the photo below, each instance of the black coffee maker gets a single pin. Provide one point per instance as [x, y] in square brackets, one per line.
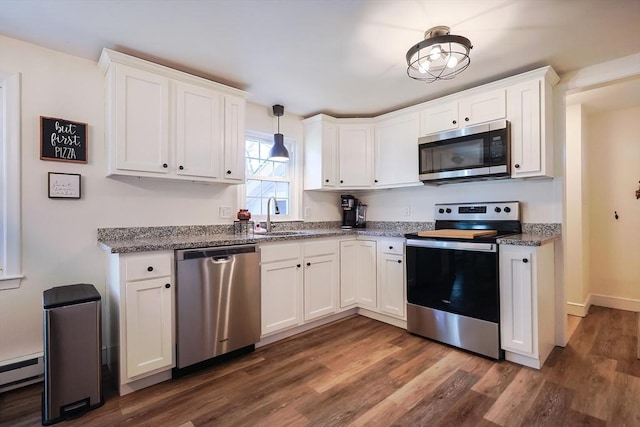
[353, 212]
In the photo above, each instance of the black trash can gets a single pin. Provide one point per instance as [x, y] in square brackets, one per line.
[72, 352]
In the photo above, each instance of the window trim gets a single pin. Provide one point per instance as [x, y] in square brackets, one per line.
[295, 194]
[10, 164]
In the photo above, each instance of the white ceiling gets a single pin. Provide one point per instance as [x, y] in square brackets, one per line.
[341, 57]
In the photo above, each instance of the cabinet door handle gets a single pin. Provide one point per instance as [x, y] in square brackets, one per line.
[228, 172]
[326, 180]
[341, 181]
[517, 165]
[454, 122]
[525, 260]
[466, 119]
[298, 265]
[181, 167]
[308, 264]
[399, 261]
[390, 247]
[164, 165]
[375, 180]
[168, 285]
[149, 268]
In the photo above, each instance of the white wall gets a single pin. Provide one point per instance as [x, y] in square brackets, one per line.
[613, 172]
[59, 236]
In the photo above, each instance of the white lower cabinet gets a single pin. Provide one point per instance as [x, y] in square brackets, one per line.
[300, 283]
[321, 278]
[527, 295]
[358, 272]
[281, 279]
[391, 277]
[140, 313]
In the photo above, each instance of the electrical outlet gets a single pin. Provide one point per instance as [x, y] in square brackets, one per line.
[224, 212]
[407, 211]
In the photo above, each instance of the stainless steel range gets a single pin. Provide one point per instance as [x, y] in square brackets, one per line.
[453, 278]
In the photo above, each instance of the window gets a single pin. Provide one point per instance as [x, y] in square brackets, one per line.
[10, 252]
[266, 178]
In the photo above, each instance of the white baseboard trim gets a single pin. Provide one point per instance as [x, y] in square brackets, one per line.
[576, 309]
[628, 304]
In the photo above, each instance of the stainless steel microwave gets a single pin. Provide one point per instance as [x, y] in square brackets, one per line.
[472, 153]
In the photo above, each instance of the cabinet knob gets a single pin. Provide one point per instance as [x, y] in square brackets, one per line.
[326, 180]
[466, 119]
[390, 247]
[341, 181]
[517, 165]
[298, 265]
[181, 167]
[164, 165]
[308, 264]
[454, 122]
[399, 261]
[149, 268]
[525, 260]
[168, 285]
[228, 172]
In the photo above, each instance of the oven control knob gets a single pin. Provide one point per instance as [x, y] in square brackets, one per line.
[448, 210]
[441, 210]
[498, 210]
[507, 209]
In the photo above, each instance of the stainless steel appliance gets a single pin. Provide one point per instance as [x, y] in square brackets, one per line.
[217, 300]
[453, 278]
[471, 153]
[353, 212]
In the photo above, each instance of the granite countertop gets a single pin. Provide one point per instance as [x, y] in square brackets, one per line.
[142, 239]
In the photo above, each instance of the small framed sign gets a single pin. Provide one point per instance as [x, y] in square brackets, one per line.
[63, 140]
[64, 185]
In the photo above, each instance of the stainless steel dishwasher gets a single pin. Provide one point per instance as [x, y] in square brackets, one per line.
[217, 302]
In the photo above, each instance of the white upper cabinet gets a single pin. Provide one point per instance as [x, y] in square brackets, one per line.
[355, 155]
[396, 151]
[320, 153]
[139, 110]
[529, 109]
[169, 124]
[466, 111]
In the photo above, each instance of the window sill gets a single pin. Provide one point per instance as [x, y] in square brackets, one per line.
[10, 282]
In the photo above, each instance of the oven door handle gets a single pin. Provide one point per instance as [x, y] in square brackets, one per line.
[460, 246]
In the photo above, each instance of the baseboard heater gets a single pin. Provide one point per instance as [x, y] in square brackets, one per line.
[22, 373]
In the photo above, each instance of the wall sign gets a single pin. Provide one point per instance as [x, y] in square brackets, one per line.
[64, 185]
[63, 140]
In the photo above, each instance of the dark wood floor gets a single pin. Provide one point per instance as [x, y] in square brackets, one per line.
[362, 372]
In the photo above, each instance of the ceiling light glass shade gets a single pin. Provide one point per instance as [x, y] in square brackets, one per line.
[440, 56]
[278, 151]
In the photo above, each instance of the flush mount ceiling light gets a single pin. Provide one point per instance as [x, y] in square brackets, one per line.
[278, 151]
[440, 56]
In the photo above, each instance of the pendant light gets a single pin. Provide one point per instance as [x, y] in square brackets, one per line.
[440, 56]
[278, 151]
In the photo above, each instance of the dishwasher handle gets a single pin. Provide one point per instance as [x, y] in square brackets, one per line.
[219, 252]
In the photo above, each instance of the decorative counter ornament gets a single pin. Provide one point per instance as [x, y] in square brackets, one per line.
[244, 215]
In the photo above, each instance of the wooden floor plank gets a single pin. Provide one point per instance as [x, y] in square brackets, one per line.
[372, 374]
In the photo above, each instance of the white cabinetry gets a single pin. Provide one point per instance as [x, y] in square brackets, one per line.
[281, 280]
[355, 155]
[300, 282]
[396, 151]
[140, 301]
[467, 111]
[358, 285]
[391, 277]
[321, 278]
[320, 153]
[166, 123]
[529, 109]
[527, 319]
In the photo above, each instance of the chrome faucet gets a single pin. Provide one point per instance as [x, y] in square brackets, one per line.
[276, 211]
